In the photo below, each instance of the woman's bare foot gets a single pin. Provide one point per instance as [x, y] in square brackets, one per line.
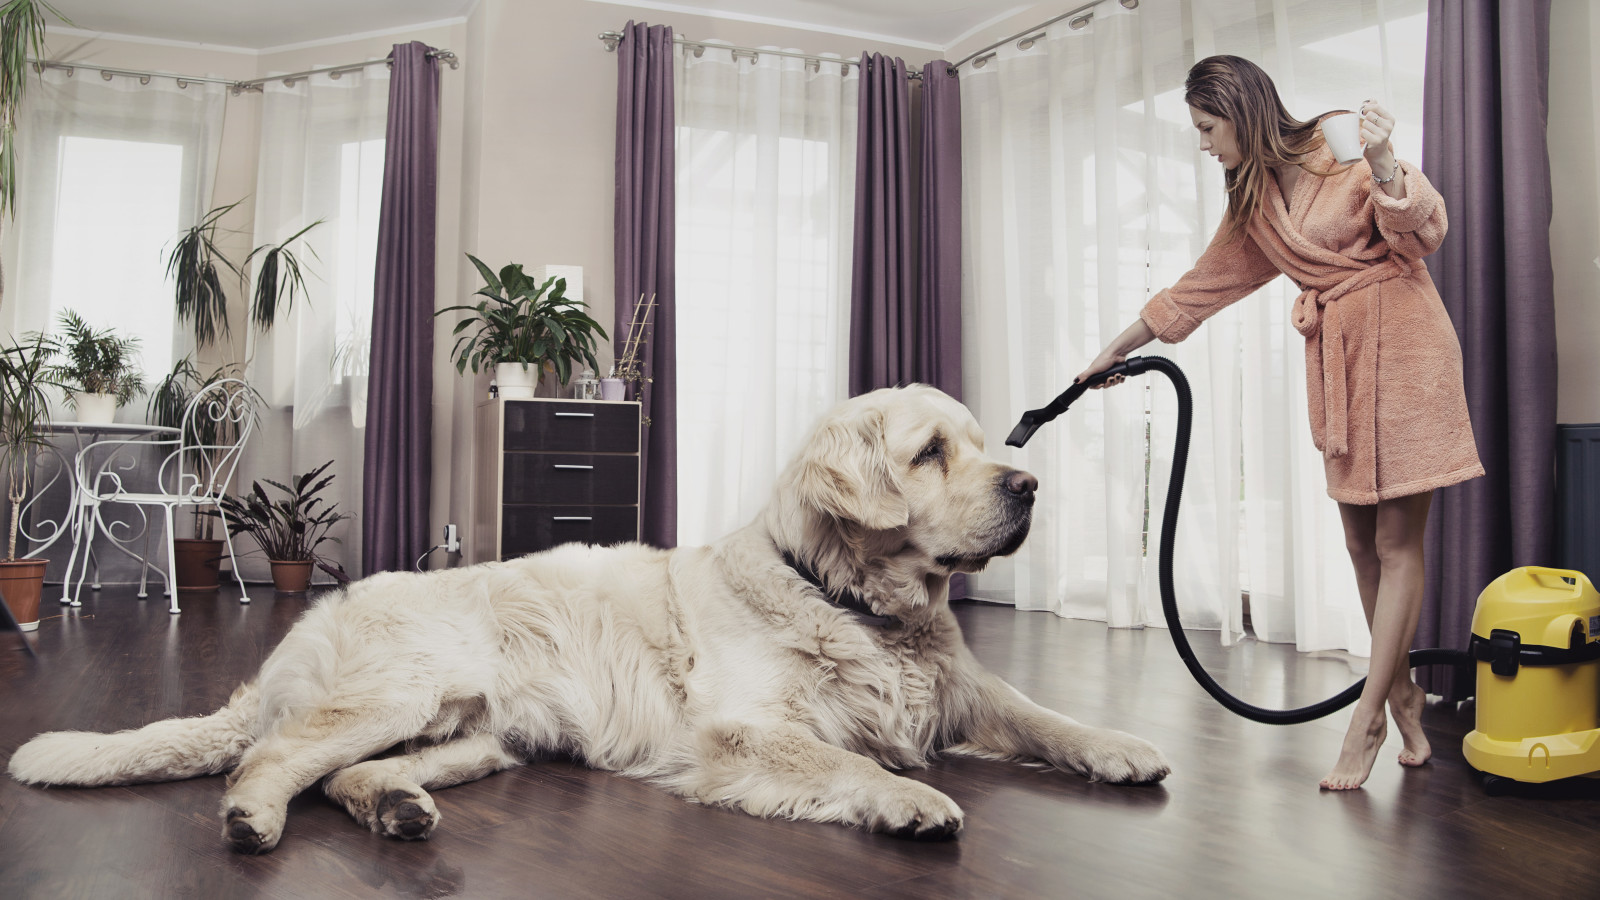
[1405, 704]
[1360, 749]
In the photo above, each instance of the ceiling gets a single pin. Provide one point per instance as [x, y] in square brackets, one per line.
[275, 24]
[933, 24]
[253, 24]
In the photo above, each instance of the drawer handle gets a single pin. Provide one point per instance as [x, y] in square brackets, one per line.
[565, 466]
[562, 415]
[572, 518]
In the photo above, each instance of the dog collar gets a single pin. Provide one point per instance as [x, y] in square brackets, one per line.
[849, 601]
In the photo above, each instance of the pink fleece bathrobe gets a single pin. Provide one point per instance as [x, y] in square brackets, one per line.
[1383, 366]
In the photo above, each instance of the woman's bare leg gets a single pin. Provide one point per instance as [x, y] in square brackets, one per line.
[1387, 538]
[1406, 699]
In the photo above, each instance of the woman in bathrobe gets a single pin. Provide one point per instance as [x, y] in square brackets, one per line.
[1383, 366]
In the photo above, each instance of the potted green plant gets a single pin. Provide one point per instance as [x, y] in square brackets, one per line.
[22, 26]
[523, 328]
[197, 262]
[289, 529]
[24, 409]
[97, 369]
[197, 265]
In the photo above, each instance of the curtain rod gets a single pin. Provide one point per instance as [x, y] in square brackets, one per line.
[613, 38]
[1080, 18]
[237, 87]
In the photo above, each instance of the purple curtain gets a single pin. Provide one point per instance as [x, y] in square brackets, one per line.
[938, 308]
[645, 250]
[1484, 111]
[938, 359]
[399, 431]
[883, 323]
[905, 296]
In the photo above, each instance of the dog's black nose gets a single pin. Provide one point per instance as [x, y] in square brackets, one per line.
[1021, 483]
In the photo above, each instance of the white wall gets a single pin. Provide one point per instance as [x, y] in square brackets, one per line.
[1574, 133]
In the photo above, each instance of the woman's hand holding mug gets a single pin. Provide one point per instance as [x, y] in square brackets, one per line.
[1376, 126]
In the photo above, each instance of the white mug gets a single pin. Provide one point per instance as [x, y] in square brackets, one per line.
[1343, 132]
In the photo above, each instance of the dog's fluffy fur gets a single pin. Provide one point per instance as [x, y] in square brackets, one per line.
[720, 672]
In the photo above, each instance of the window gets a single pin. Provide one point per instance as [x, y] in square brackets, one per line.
[110, 172]
[356, 248]
[765, 205]
[116, 216]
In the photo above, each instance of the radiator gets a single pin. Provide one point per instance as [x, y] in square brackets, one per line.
[1578, 498]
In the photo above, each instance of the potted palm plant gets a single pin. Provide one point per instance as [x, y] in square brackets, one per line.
[97, 369]
[290, 528]
[24, 409]
[523, 328]
[22, 26]
[197, 265]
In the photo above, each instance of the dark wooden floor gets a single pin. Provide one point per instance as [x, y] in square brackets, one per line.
[1241, 815]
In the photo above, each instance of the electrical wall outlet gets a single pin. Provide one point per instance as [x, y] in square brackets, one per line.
[452, 539]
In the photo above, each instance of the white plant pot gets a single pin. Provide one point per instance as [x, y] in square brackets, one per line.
[516, 381]
[97, 409]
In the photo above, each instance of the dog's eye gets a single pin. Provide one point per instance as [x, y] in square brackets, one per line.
[933, 452]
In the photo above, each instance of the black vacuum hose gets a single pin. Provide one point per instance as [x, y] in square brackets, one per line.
[1137, 365]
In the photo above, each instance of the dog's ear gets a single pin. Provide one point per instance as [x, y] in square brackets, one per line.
[846, 471]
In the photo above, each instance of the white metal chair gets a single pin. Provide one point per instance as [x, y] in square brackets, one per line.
[195, 473]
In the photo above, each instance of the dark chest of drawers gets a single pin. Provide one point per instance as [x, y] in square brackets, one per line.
[553, 472]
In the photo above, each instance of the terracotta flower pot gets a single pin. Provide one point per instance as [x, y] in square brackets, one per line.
[199, 563]
[22, 584]
[291, 576]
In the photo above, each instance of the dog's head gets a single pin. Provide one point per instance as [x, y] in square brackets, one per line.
[897, 481]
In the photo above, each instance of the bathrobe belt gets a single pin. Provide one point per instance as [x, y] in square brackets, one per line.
[1316, 316]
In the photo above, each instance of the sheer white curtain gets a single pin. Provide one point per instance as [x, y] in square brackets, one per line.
[322, 144]
[1085, 193]
[109, 173]
[765, 197]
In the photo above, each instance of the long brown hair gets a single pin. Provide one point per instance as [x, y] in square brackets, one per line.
[1236, 89]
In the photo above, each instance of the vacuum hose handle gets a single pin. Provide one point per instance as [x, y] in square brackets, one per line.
[1033, 418]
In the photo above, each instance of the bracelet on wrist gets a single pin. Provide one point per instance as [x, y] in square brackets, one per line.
[1392, 173]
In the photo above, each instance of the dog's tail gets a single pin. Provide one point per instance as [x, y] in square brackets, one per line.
[168, 750]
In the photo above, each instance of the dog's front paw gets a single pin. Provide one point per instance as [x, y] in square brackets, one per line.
[1123, 759]
[405, 815]
[915, 811]
[251, 833]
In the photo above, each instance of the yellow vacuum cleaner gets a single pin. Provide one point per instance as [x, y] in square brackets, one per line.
[1536, 639]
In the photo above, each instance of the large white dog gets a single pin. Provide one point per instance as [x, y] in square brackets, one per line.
[736, 674]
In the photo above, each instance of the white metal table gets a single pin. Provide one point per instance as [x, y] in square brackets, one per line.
[43, 533]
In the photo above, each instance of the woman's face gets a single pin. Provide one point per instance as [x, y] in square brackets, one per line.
[1217, 137]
